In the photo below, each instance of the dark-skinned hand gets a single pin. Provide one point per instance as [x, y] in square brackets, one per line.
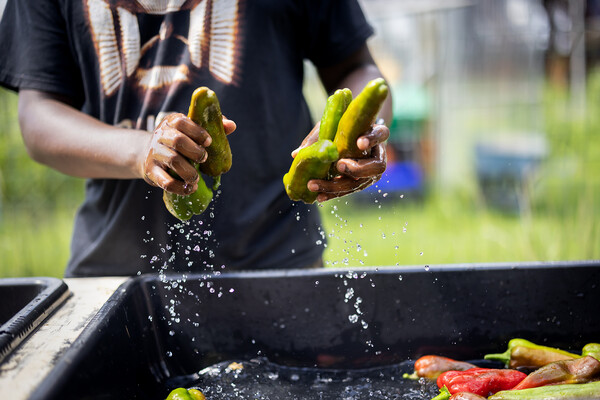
[176, 142]
[354, 174]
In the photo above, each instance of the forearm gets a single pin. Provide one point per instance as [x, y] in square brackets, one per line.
[63, 138]
[354, 73]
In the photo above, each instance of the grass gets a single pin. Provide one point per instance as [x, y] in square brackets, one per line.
[33, 244]
[439, 232]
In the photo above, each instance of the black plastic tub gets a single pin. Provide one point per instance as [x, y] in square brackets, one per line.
[25, 304]
[155, 330]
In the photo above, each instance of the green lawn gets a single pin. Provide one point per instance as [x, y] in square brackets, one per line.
[438, 232]
[33, 244]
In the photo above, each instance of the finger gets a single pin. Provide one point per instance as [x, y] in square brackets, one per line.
[366, 167]
[157, 176]
[360, 186]
[169, 159]
[376, 135]
[176, 140]
[229, 126]
[312, 137]
[340, 185]
[188, 127]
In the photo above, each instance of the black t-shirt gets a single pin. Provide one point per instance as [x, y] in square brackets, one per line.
[128, 63]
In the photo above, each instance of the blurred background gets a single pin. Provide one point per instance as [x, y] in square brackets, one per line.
[494, 154]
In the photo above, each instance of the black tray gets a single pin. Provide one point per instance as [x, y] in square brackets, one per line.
[156, 329]
[25, 304]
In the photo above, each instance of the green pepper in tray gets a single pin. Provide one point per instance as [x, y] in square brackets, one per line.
[186, 394]
[576, 391]
[591, 349]
[523, 353]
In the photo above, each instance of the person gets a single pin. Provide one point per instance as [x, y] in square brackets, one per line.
[104, 86]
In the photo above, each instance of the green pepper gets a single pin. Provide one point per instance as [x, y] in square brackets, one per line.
[186, 394]
[205, 110]
[184, 207]
[523, 353]
[336, 105]
[591, 349]
[314, 161]
[575, 391]
[311, 162]
[359, 117]
[444, 394]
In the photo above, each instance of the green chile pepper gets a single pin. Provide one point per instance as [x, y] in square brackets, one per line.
[444, 394]
[359, 117]
[205, 110]
[311, 162]
[314, 161]
[184, 207]
[336, 105]
[575, 391]
[186, 394]
[523, 353]
[591, 349]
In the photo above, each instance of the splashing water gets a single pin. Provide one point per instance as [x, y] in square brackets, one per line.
[262, 380]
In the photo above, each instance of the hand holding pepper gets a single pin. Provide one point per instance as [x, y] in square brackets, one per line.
[354, 174]
[175, 142]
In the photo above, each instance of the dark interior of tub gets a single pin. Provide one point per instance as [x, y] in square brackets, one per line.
[156, 332]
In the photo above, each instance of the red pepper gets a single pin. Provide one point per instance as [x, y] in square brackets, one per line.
[431, 366]
[481, 381]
